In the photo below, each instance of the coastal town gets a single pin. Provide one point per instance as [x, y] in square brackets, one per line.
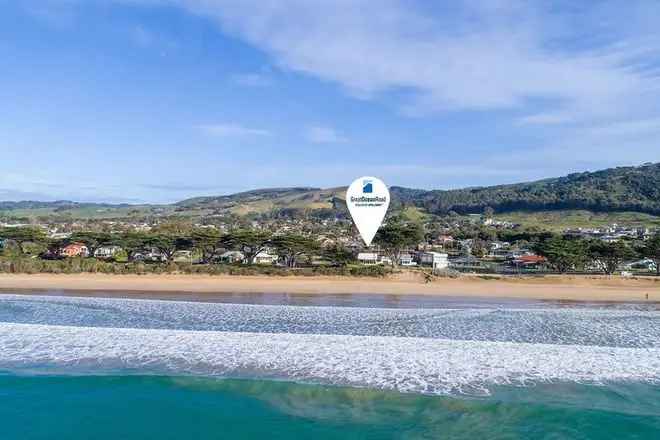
[448, 245]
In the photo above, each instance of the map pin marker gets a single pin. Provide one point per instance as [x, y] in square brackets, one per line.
[367, 199]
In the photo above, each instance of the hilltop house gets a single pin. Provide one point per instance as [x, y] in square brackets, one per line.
[74, 250]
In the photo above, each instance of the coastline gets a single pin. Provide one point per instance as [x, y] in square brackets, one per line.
[551, 287]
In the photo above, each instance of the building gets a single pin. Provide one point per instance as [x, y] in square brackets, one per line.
[467, 263]
[232, 257]
[264, 257]
[74, 250]
[151, 255]
[437, 260]
[645, 265]
[186, 256]
[107, 252]
[529, 262]
[368, 258]
[407, 260]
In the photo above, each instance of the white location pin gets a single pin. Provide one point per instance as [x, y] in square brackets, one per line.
[367, 199]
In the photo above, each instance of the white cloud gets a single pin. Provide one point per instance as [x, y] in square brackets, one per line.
[323, 135]
[231, 130]
[474, 55]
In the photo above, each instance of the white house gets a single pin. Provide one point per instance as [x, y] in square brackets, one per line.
[264, 257]
[106, 252]
[437, 260]
[407, 260]
[368, 258]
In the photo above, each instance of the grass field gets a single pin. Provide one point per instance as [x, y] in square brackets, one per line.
[560, 220]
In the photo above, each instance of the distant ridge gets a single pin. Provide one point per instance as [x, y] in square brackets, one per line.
[634, 189]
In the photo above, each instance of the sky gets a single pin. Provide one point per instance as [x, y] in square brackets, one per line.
[160, 100]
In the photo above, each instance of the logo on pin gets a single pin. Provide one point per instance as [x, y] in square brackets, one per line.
[367, 199]
[367, 186]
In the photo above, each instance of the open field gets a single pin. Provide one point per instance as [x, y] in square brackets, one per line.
[557, 221]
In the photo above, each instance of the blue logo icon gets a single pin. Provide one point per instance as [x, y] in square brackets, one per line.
[367, 187]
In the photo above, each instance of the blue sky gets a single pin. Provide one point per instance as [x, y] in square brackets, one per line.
[159, 100]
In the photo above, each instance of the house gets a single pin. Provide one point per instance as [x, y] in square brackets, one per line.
[74, 250]
[437, 260]
[646, 265]
[529, 261]
[368, 258]
[407, 260]
[185, 256]
[232, 257]
[469, 262]
[445, 240]
[107, 252]
[152, 256]
[264, 257]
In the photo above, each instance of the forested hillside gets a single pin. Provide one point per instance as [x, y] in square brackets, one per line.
[614, 189]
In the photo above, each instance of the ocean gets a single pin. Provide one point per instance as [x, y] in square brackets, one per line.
[302, 367]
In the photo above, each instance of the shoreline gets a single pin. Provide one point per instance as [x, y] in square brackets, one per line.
[551, 287]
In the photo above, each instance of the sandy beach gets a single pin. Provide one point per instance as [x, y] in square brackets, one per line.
[578, 288]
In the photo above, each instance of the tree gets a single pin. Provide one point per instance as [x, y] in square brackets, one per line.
[167, 244]
[26, 240]
[608, 256]
[563, 254]
[250, 242]
[206, 241]
[479, 248]
[131, 242]
[489, 212]
[396, 236]
[338, 255]
[651, 250]
[292, 246]
[22, 235]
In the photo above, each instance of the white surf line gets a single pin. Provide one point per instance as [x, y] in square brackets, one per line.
[401, 363]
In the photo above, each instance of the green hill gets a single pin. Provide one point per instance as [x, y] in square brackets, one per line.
[635, 189]
[615, 190]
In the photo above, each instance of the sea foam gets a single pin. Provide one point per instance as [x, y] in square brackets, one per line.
[409, 364]
[567, 326]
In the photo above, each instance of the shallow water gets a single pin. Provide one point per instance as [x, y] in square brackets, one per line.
[516, 370]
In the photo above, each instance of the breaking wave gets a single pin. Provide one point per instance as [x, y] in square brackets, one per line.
[423, 365]
[437, 351]
[569, 326]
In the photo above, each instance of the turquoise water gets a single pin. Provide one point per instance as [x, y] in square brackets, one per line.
[83, 368]
[139, 407]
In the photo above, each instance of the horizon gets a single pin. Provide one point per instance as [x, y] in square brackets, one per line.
[157, 101]
[290, 188]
